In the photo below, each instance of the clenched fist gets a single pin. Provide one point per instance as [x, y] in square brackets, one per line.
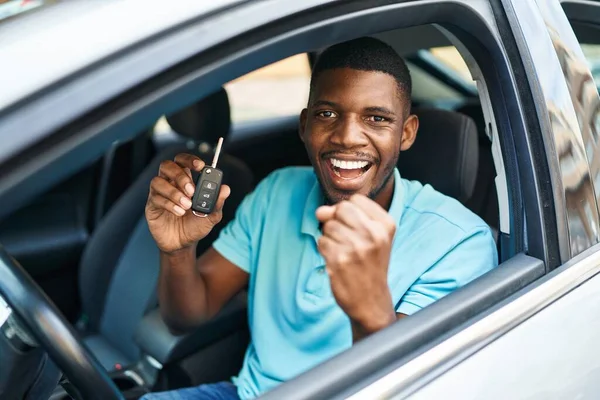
[356, 245]
[168, 209]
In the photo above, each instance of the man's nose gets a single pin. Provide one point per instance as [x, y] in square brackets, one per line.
[349, 134]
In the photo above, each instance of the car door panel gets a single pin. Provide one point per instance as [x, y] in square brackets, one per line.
[382, 353]
[552, 354]
[47, 236]
[543, 344]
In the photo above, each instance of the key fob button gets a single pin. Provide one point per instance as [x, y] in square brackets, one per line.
[209, 185]
[206, 196]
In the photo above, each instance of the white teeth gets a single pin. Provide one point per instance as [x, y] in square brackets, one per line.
[348, 164]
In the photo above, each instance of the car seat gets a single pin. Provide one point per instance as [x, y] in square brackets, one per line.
[120, 265]
[445, 155]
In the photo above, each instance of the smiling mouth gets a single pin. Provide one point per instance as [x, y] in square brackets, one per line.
[348, 170]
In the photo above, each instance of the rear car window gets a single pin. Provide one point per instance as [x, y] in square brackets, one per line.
[451, 58]
[276, 90]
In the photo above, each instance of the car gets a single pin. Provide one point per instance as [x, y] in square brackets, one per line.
[95, 94]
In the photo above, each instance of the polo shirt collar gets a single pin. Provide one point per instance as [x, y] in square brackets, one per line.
[310, 224]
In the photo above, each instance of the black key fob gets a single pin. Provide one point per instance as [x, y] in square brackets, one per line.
[207, 190]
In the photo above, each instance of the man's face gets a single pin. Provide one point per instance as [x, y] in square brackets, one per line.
[354, 129]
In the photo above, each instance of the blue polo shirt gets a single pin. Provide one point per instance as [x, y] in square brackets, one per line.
[294, 319]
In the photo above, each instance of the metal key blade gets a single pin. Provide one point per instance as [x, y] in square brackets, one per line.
[217, 152]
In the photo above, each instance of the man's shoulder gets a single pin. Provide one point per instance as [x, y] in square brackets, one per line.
[429, 208]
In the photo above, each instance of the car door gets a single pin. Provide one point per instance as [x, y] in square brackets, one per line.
[537, 232]
[47, 235]
[540, 342]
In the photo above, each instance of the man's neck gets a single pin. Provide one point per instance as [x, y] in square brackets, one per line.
[384, 198]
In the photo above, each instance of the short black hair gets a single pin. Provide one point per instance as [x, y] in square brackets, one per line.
[366, 54]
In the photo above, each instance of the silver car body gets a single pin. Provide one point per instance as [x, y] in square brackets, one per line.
[534, 342]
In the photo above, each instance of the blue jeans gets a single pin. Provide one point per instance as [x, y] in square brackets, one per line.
[213, 391]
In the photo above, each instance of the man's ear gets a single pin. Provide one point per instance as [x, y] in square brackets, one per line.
[409, 132]
[302, 124]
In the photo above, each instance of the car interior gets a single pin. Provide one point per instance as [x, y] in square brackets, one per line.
[86, 242]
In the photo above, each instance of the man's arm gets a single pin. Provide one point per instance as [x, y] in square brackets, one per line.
[356, 244]
[191, 291]
[359, 331]
[470, 258]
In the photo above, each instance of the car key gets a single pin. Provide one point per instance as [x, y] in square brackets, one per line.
[208, 186]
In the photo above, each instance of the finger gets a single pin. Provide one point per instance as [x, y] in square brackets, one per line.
[190, 161]
[159, 203]
[159, 186]
[223, 195]
[369, 207]
[174, 172]
[217, 213]
[339, 232]
[333, 253]
[375, 212]
[325, 213]
[352, 216]
[327, 246]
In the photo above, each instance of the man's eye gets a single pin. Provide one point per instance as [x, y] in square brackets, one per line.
[377, 118]
[326, 114]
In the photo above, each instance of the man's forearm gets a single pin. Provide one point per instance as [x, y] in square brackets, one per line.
[361, 330]
[181, 289]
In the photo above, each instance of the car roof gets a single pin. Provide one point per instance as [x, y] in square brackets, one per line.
[52, 42]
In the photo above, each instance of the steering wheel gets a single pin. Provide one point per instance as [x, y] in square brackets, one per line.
[53, 332]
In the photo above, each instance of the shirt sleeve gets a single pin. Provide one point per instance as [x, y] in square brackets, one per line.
[474, 255]
[236, 240]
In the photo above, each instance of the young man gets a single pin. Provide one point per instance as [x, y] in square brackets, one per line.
[331, 253]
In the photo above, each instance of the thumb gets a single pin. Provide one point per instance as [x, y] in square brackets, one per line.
[325, 213]
[223, 195]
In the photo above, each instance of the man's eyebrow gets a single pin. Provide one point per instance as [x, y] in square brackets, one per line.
[320, 103]
[381, 110]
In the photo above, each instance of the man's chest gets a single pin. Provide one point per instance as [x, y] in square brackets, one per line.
[291, 278]
[296, 273]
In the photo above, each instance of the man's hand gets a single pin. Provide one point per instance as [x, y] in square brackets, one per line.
[168, 209]
[356, 244]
